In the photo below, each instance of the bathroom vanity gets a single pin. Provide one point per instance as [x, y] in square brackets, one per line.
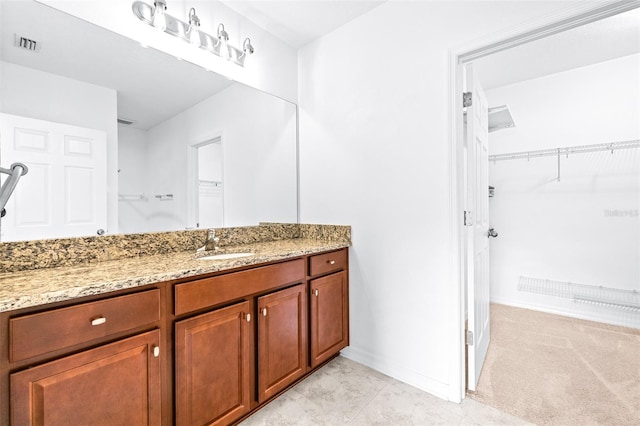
[197, 348]
[132, 328]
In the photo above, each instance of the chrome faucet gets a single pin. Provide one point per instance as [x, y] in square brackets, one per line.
[211, 239]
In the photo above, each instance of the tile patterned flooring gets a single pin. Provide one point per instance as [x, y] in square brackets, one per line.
[345, 392]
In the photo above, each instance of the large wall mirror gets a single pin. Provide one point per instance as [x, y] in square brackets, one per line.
[120, 138]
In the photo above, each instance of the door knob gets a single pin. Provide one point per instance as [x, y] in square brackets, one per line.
[492, 233]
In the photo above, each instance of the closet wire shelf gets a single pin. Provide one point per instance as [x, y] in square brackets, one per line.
[559, 152]
[566, 151]
[625, 300]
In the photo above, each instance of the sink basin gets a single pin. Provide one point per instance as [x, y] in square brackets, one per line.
[225, 256]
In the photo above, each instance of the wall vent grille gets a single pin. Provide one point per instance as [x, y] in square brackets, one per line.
[125, 121]
[27, 43]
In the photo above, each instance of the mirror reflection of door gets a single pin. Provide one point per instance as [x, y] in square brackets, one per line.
[209, 191]
[64, 194]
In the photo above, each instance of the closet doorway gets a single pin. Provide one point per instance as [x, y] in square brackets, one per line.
[590, 200]
[205, 189]
[564, 164]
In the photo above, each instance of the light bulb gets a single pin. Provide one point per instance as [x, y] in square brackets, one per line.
[223, 38]
[194, 36]
[158, 18]
[194, 23]
[224, 50]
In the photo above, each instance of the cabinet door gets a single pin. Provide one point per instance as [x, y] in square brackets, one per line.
[118, 383]
[282, 340]
[212, 357]
[329, 316]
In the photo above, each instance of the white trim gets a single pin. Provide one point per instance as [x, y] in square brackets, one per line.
[297, 163]
[192, 152]
[606, 319]
[397, 371]
[571, 17]
[456, 267]
[563, 20]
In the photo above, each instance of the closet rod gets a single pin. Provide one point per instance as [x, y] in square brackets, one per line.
[610, 146]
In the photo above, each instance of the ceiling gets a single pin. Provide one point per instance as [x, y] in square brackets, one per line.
[76, 49]
[298, 22]
[599, 41]
[110, 60]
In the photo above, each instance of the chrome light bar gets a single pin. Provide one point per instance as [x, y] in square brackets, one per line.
[177, 28]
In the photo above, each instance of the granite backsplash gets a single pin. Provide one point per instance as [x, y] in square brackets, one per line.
[38, 254]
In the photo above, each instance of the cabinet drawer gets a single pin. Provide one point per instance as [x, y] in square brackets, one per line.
[38, 334]
[328, 262]
[200, 294]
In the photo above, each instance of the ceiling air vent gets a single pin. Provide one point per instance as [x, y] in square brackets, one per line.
[125, 121]
[27, 43]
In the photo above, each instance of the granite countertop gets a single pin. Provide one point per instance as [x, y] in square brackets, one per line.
[38, 287]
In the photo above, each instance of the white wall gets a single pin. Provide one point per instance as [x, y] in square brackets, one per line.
[259, 158]
[374, 155]
[45, 96]
[132, 180]
[566, 231]
[272, 68]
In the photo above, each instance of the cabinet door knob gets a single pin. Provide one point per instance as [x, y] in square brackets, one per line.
[156, 351]
[315, 292]
[98, 321]
[248, 317]
[331, 262]
[264, 312]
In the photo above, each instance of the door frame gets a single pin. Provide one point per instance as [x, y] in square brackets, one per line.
[563, 20]
[192, 176]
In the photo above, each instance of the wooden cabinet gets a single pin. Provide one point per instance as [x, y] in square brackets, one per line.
[207, 292]
[282, 340]
[231, 359]
[118, 383]
[212, 364]
[321, 264]
[329, 307]
[48, 331]
[230, 341]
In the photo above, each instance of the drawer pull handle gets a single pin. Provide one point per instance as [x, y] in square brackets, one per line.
[264, 312]
[315, 292]
[331, 262]
[248, 317]
[98, 321]
[156, 351]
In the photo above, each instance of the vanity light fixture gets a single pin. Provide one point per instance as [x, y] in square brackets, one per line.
[223, 46]
[247, 48]
[156, 16]
[194, 23]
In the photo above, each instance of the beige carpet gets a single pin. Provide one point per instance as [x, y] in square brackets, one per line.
[555, 370]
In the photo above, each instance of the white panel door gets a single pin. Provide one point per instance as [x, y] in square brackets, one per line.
[477, 277]
[64, 193]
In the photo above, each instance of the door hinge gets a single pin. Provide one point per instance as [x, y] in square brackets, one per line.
[467, 99]
[469, 338]
[468, 219]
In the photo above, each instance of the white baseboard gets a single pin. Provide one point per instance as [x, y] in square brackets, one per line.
[556, 310]
[398, 372]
